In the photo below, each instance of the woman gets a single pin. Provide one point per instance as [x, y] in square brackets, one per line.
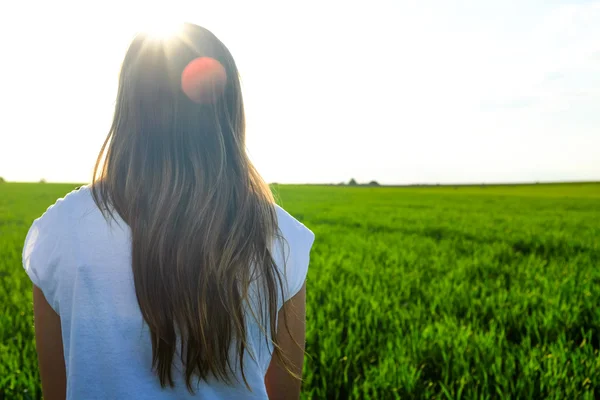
[173, 275]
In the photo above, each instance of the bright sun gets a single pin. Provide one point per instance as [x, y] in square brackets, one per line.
[162, 28]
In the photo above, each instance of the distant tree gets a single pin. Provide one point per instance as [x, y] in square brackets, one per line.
[374, 183]
[42, 180]
[342, 184]
[2, 180]
[352, 182]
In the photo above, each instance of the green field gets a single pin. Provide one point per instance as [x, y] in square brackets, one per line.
[413, 293]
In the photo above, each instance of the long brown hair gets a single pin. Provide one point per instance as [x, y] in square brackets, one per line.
[202, 219]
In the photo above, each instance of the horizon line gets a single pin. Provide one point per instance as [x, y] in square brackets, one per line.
[416, 184]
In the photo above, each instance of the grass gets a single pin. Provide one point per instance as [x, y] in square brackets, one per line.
[413, 293]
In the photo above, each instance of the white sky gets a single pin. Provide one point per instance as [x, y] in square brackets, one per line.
[397, 91]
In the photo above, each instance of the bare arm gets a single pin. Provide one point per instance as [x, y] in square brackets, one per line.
[280, 385]
[48, 338]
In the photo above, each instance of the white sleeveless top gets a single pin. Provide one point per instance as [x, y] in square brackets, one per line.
[83, 266]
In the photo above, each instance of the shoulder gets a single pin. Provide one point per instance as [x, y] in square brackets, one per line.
[293, 250]
[61, 211]
[295, 233]
[65, 207]
[290, 226]
[68, 206]
[47, 238]
[61, 218]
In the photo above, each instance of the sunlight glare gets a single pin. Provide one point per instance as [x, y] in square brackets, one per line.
[161, 28]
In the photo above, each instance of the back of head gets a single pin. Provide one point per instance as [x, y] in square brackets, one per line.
[175, 169]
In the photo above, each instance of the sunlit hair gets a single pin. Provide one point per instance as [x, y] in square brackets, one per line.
[202, 219]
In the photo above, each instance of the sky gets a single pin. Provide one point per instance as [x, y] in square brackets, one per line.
[402, 92]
